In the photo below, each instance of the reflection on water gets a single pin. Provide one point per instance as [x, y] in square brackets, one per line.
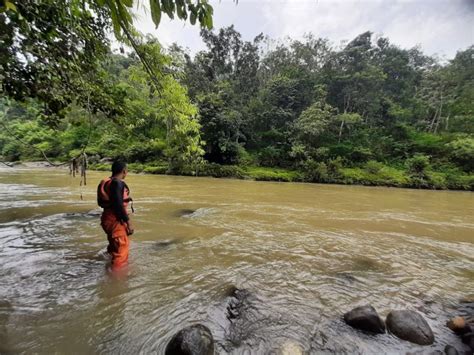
[305, 253]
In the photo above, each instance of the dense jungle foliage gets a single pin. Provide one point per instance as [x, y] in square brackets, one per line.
[363, 112]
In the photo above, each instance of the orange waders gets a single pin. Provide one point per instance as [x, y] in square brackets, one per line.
[114, 227]
[118, 238]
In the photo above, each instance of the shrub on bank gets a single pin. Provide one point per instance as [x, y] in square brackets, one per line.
[371, 174]
[221, 171]
[375, 173]
[272, 174]
[156, 169]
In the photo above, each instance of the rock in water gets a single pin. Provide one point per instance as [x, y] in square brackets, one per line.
[458, 325]
[365, 318]
[468, 339]
[290, 348]
[450, 350]
[193, 340]
[410, 326]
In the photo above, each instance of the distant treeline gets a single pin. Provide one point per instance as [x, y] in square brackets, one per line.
[366, 112]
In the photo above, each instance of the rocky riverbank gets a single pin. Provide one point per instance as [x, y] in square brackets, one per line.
[406, 325]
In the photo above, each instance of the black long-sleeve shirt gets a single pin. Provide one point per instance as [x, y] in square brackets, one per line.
[116, 198]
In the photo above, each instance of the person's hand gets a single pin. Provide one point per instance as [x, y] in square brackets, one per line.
[130, 229]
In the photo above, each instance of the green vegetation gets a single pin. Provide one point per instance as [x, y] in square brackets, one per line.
[368, 113]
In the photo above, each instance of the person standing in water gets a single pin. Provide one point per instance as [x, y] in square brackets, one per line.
[113, 195]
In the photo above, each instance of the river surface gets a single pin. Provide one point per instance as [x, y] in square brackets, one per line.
[306, 253]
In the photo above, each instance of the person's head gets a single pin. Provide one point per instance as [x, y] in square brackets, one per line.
[119, 169]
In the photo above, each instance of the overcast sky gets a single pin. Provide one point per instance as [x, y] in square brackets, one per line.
[439, 26]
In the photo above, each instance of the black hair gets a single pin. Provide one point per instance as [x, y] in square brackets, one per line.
[118, 167]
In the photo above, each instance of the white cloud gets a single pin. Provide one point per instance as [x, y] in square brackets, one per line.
[438, 26]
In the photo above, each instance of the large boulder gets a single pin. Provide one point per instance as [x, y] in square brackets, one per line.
[193, 340]
[410, 326]
[365, 318]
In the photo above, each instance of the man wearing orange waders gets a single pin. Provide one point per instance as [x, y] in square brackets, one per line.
[113, 195]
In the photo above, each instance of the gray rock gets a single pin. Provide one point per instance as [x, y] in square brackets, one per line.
[193, 340]
[365, 318]
[410, 326]
[450, 350]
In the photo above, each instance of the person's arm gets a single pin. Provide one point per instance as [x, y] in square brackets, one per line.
[116, 197]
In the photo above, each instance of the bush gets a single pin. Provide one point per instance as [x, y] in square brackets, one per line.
[245, 158]
[360, 154]
[385, 176]
[100, 167]
[315, 171]
[334, 168]
[270, 156]
[373, 167]
[221, 171]
[160, 169]
[146, 151]
[11, 151]
[462, 151]
[417, 166]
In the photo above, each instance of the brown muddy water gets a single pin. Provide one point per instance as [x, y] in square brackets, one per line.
[307, 253]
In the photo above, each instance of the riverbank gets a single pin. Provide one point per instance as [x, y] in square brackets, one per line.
[370, 175]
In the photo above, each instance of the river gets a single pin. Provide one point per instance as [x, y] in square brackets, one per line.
[306, 253]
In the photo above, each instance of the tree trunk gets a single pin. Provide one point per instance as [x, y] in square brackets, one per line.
[340, 131]
[439, 116]
[447, 123]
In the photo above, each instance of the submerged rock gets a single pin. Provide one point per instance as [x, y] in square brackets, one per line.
[163, 244]
[193, 340]
[365, 318]
[467, 299]
[468, 339]
[450, 350]
[185, 212]
[237, 303]
[6, 309]
[347, 277]
[410, 326]
[290, 348]
[240, 313]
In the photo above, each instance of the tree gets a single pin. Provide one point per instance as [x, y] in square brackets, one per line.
[52, 48]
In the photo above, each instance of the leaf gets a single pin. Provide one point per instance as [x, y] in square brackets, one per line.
[128, 3]
[181, 11]
[168, 7]
[192, 18]
[208, 21]
[8, 6]
[155, 12]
